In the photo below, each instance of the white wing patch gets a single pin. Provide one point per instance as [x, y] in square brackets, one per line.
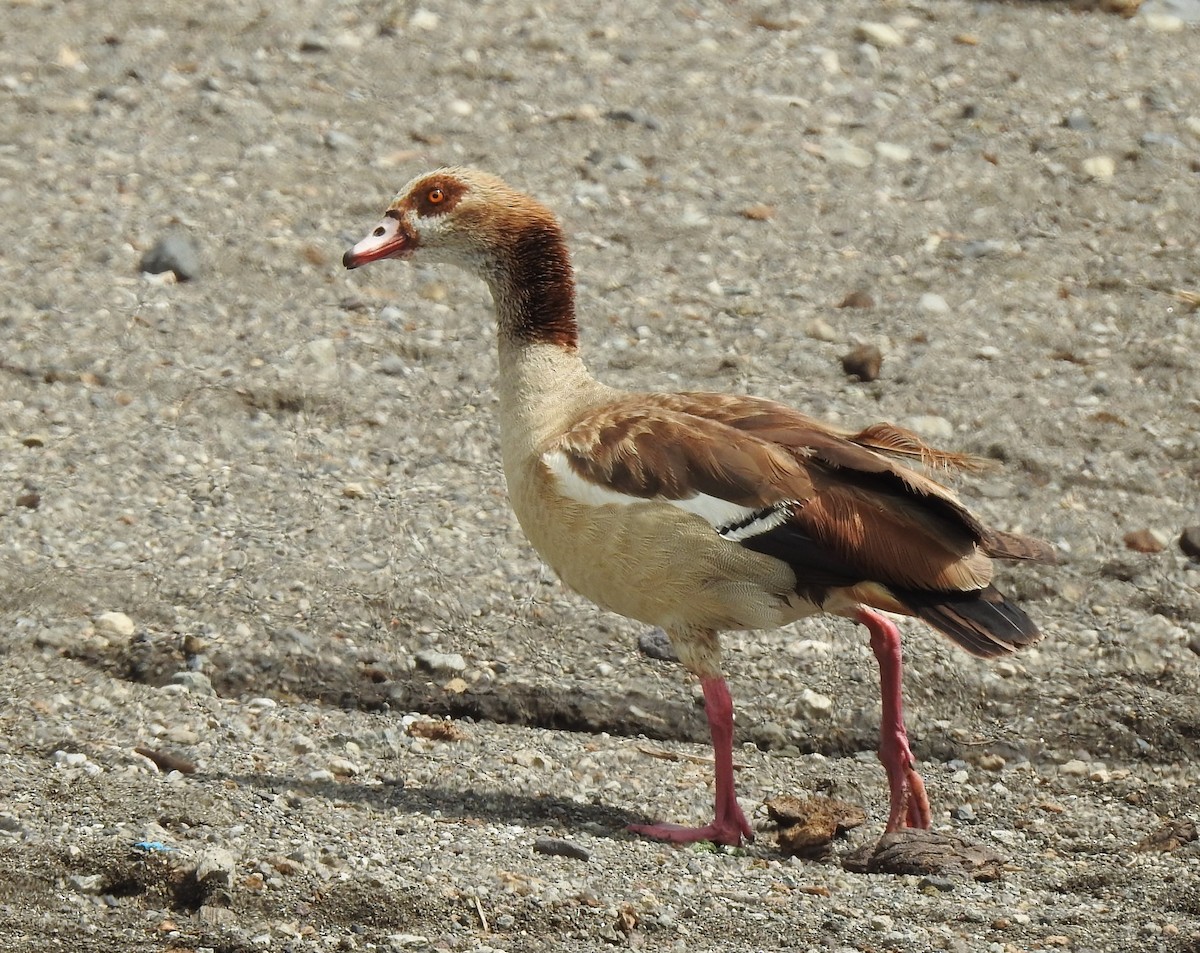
[734, 522]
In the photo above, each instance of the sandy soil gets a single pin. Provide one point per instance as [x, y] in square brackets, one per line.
[254, 521]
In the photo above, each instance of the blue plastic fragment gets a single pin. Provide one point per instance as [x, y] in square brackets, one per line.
[152, 846]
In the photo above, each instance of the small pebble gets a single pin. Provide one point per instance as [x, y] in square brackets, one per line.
[857, 299]
[115, 624]
[215, 866]
[558, 847]
[820, 330]
[196, 682]
[434, 661]
[423, 19]
[930, 426]
[933, 303]
[893, 152]
[1078, 120]
[1145, 541]
[879, 35]
[1099, 167]
[814, 704]
[864, 362]
[656, 644]
[842, 152]
[175, 252]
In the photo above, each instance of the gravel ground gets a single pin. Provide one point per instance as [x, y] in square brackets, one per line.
[253, 524]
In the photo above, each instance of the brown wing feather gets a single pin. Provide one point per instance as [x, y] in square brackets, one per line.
[864, 452]
[857, 515]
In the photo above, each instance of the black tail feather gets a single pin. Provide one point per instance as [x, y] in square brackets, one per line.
[983, 622]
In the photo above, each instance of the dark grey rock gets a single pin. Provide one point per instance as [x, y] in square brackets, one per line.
[175, 251]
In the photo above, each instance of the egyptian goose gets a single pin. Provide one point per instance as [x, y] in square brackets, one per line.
[705, 512]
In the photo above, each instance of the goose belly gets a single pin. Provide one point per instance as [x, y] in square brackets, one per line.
[653, 562]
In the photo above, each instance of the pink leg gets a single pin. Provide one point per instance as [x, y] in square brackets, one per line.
[910, 804]
[729, 825]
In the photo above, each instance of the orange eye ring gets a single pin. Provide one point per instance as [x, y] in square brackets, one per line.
[436, 196]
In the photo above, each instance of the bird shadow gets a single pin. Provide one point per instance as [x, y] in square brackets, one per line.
[499, 806]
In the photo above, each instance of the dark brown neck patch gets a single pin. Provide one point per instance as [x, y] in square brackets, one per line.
[540, 287]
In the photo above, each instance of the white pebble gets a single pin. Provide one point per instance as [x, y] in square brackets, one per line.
[1099, 167]
[879, 34]
[893, 152]
[843, 152]
[423, 19]
[814, 703]
[933, 303]
[114, 623]
[820, 330]
[930, 426]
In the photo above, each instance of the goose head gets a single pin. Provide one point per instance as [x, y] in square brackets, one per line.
[474, 220]
[456, 216]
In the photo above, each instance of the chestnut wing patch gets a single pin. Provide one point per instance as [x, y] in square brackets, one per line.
[739, 485]
[833, 523]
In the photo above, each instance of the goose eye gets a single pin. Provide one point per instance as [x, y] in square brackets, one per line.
[436, 196]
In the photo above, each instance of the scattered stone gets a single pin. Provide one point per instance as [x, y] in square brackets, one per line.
[758, 212]
[344, 768]
[1163, 22]
[423, 19]
[1099, 167]
[627, 920]
[934, 884]
[354, 491]
[863, 362]
[339, 141]
[175, 252]
[1189, 542]
[87, 883]
[984, 248]
[879, 35]
[842, 152]
[1078, 120]
[1075, 768]
[813, 704]
[930, 426]
[820, 330]
[808, 826]
[215, 867]
[1170, 836]
[656, 644]
[29, 500]
[992, 762]
[893, 152]
[438, 731]
[558, 847]
[963, 812]
[115, 624]
[857, 299]
[166, 761]
[928, 853]
[196, 682]
[314, 43]
[434, 661]
[34, 440]
[393, 365]
[1145, 541]
[933, 303]
[635, 116]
